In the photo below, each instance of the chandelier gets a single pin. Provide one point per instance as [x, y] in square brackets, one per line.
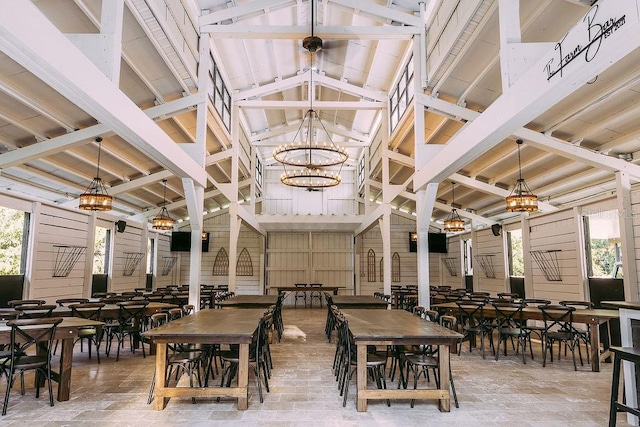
[163, 221]
[521, 198]
[453, 222]
[308, 155]
[95, 197]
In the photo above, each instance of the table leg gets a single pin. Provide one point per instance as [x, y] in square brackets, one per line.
[66, 358]
[595, 347]
[243, 376]
[443, 365]
[160, 402]
[361, 378]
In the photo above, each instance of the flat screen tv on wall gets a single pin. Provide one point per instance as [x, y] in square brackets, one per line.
[181, 242]
[438, 243]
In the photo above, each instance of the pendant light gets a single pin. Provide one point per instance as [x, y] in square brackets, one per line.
[453, 223]
[95, 197]
[163, 221]
[521, 198]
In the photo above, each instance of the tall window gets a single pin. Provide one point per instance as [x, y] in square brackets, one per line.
[402, 95]
[13, 241]
[468, 257]
[101, 251]
[516, 258]
[219, 95]
[150, 256]
[602, 241]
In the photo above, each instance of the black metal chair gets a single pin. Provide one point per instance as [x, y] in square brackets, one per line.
[584, 331]
[316, 293]
[64, 302]
[26, 335]
[130, 320]
[512, 325]
[300, 294]
[35, 311]
[473, 323]
[91, 311]
[558, 323]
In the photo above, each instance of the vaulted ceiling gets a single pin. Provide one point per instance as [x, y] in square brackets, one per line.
[54, 102]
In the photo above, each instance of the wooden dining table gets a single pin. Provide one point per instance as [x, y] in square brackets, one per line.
[288, 289]
[205, 327]
[589, 316]
[249, 301]
[67, 332]
[399, 327]
[358, 301]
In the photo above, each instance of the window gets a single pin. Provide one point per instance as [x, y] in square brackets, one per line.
[516, 258]
[101, 250]
[602, 241]
[361, 176]
[150, 255]
[468, 257]
[13, 241]
[402, 95]
[258, 172]
[219, 95]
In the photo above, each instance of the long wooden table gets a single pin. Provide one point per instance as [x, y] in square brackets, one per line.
[358, 301]
[399, 327]
[109, 311]
[250, 301]
[289, 289]
[206, 327]
[589, 316]
[67, 332]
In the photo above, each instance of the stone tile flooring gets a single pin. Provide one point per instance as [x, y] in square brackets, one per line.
[303, 392]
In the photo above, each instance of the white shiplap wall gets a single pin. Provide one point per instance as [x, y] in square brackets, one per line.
[492, 248]
[132, 241]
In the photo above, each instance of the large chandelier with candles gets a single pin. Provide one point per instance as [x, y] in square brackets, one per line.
[309, 156]
[95, 197]
[453, 223]
[521, 198]
[163, 220]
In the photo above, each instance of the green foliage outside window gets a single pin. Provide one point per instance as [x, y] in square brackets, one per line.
[517, 257]
[11, 240]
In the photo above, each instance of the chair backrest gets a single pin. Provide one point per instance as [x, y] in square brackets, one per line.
[175, 313]
[431, 315]
[66, 301]
[557, 316]
[35, 311]
[449, 322]
[158, 319]
[103, 294]
[131, 312]
[577, 304]
[188, 309]
[315, 285]
[26, 333]
[508, 295]
[470, 312]
[419, 311]
[90, 310]
[17, 302]
[300, 285]
[535, 301]
[509, 314]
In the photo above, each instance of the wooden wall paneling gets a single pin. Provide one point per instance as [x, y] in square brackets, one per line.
[128, 242]
[486, 244]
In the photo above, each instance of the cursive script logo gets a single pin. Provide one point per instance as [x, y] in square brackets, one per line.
[596, 32]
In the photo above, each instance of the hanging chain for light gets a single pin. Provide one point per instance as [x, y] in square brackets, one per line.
[521, 198]
[95, 197]
[453, 222]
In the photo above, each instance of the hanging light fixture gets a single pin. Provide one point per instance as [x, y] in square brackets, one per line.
[521, 198]
[95, 197]
[163, 221]
[308, 154]
[453, 223]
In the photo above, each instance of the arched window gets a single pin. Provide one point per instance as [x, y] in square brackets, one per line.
[395, 267]
[371, 266]
[221, 264]
[382, 269]
[244, 267]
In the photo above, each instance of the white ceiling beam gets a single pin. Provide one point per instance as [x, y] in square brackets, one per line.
[84, 136]
[323, 80]
[30, 39]
[271, 88]
[521, 104]
[379, 12]
[318, 105]
[236, 13]
[262, 32]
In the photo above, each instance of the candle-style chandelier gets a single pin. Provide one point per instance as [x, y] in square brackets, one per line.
[309, 155]
[453, 222]
[95, 197]
[163, 220]
[521, 198]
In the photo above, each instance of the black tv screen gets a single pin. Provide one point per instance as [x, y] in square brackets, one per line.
[181, 242]
[438, 243]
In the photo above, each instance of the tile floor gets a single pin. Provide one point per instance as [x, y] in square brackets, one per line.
[304, 392]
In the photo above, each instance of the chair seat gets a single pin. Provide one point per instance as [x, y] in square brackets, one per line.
[422, 360]
[184, 357]
[29, 362]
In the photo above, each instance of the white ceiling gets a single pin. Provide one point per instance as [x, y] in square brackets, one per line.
[570, 154]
